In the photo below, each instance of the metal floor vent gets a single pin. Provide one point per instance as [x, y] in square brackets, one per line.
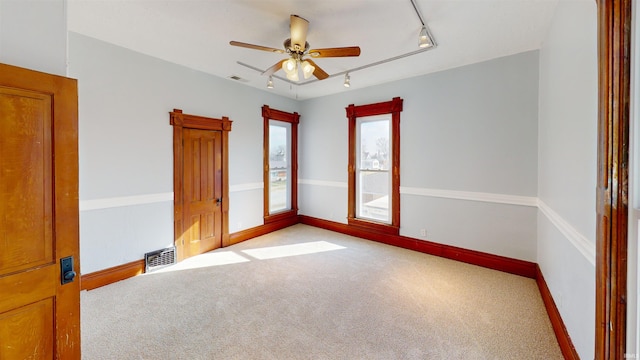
[160, 258]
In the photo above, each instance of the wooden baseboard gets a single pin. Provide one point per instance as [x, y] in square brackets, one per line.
[562, 335]
[260, 230]
[108, 276]
[496, 262]
[513, 266]
[501, 263]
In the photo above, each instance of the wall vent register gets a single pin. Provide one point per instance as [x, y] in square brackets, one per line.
[159, 259]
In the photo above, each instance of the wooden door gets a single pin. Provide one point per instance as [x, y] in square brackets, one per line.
[188, 136]
[202, 191]
[39, 317]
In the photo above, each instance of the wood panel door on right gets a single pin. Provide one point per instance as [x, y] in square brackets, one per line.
[202, 181]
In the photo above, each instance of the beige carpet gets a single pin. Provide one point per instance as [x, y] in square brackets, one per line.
[308, 293]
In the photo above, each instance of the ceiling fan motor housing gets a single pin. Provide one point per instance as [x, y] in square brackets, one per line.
[295, 48]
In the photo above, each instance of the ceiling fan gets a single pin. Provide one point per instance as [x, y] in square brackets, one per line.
[297, 47]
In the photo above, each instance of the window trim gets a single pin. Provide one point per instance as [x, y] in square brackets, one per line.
[294, 119]
[393, 107]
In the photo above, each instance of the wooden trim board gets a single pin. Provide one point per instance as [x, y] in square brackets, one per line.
[614, 84]
[496, 262]
[260, 230]
[113, 274]
[514, 266]
[121, 272]
[562, 335]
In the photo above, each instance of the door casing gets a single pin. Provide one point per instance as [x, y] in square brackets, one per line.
[181, 121]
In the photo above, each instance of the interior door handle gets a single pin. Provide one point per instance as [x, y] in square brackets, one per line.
[218, 201]
[66, 270]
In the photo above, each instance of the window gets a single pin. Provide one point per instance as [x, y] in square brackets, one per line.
[280, 164]
[374, 166]
[279, 170]
[373, 175]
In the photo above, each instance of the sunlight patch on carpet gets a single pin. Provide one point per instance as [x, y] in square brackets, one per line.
[274, 252]
[206, 260]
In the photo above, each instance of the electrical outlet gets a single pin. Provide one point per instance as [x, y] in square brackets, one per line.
[423, 232]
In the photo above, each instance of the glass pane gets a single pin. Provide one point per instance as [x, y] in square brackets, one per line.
[373, 199]
[374, 145]
[373, 175]
[278, 166]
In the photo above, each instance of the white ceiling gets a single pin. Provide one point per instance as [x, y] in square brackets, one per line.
[196, 34]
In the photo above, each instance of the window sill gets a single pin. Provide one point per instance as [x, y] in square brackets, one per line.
[374, 226]
[289, 214]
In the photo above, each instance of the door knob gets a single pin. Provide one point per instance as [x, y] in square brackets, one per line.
[70, 275]
[66, 270]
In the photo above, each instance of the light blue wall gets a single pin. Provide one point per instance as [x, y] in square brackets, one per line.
[33, 35]
[567, 166]
[126, 147]
[471, 129]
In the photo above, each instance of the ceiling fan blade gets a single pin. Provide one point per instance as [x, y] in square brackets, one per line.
[277, 66]
[256, 47]
[318, 72]
[299, 28]
[335, 52]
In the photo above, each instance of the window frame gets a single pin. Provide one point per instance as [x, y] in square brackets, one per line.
[393, 107]
[269, 114]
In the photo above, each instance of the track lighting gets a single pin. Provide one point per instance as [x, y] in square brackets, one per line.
[424, 38]
[270, 83]
[347, 80]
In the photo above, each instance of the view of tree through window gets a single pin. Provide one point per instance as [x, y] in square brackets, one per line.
[279, 184]
[373, 170]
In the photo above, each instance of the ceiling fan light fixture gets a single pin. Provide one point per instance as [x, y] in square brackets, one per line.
[293, 76]
[297, 47]
[347, 80]
[290, 66]
[270, 83]
[307, 69]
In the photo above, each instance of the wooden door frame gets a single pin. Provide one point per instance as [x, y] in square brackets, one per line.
[180, 121]
[614, 85]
